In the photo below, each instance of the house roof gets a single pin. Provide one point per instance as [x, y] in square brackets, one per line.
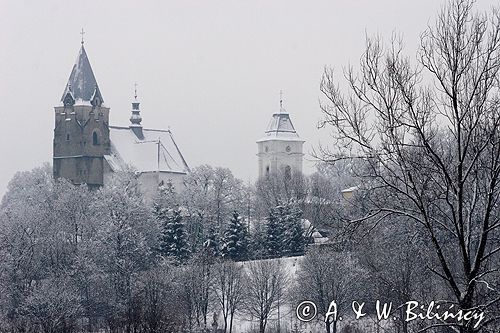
[155, 151]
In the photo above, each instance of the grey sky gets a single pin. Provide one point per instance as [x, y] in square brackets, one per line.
[209, 70]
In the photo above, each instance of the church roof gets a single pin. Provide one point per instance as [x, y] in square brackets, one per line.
[280, 128]
[155, 151]
[82, 86]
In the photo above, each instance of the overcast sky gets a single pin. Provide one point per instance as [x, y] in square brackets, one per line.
[209, 70]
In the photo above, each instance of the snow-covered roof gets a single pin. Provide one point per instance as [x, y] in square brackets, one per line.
[350, 189]
[82, 85]
[280, 128]
[155, 151]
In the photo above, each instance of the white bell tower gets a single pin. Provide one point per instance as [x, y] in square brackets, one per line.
[281, 148]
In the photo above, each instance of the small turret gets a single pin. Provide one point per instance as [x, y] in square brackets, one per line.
[135, 118]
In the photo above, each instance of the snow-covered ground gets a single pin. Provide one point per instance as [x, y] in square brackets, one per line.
[244, 323]
[286, 318]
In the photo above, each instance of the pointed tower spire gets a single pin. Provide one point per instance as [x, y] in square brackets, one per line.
[135, 118]
[82, 86]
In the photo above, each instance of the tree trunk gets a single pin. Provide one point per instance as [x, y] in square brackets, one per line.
[225, 323]
[262, 327]
[231, 323]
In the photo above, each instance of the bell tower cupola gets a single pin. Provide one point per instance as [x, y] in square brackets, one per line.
[280, 150]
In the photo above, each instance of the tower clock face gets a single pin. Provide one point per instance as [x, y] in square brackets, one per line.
[288, 149]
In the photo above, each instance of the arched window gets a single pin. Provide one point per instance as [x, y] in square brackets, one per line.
[95, 139]
[267, 170]
[67, 137]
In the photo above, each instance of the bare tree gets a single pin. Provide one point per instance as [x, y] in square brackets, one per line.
[325, 276]
[266, 284]
[229, 289]
[54, 306]
[431, 136]
[279, 187]
[197, 279]
[212, 194]
[158, 293]
[394, 258]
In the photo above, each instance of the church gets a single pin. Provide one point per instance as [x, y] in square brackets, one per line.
[88, 149]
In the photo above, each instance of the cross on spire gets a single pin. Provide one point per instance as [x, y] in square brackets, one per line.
[82, 33]
[281, 99]
[135, 91]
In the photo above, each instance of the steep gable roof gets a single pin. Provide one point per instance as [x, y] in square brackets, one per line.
[155, 151]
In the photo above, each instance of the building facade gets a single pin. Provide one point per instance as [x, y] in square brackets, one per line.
[87, 149]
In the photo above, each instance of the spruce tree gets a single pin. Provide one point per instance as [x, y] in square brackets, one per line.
[275, 232]
[211, 245]
[235, 239]
[258, 242]
[294, 232]
[173, 241]
[284, 231]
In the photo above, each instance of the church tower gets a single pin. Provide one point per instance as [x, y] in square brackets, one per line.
[281, 148]
[81, 133]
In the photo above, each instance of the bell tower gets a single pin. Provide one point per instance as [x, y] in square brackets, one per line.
[81, 133]
[280, 150]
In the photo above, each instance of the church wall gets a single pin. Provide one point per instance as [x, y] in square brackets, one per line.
[274, 154]
[93, 170]
[65, 168]
[80, 170]
[149, 182]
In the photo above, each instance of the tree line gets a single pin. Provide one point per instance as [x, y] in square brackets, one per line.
[75, 259]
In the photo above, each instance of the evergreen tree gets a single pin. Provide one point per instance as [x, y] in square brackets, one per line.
[160, 212]
[275, 232]
[235, 239]
[294, 232]
[258, 242]
[173, 241]
[284, 231]
[211, 244]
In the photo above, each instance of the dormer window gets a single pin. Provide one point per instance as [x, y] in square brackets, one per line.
[95, 139]
[68, 99]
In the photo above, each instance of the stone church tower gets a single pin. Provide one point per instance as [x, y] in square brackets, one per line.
[81, 132]
[281, 148]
